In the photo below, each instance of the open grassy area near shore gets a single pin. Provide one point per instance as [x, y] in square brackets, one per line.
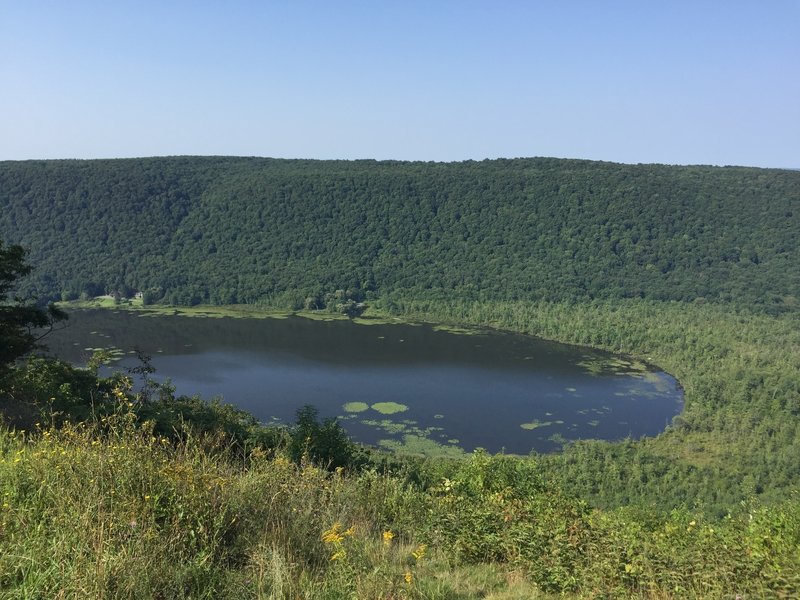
[229, 311]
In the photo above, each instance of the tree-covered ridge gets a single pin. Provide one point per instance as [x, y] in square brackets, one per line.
[249, 230]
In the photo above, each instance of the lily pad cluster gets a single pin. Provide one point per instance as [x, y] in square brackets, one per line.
[385, 408]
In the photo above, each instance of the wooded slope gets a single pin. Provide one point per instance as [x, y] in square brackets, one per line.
[250, 230]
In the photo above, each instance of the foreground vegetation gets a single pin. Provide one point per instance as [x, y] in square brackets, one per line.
[112, 509]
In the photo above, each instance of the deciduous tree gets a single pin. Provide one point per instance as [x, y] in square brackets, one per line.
[22, 323]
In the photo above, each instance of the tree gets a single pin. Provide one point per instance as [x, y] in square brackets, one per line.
[325, 443]
[351, 308]
[22, 324]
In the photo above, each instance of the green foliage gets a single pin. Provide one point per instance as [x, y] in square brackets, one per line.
[112, 509]
[739, 433]
[18, 319]
[686, 554]
[186, 415]
[499, 509]
[351, 308]
[325, 443]
[57, 390]
[316, 234]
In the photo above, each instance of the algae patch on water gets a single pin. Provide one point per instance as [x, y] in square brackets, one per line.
[407, 427]
[389, 408]
[355, 407]
[458, 330]
[377, 321]
[419, 445]
[537, 424]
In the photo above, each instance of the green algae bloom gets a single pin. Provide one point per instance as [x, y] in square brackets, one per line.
[389, 408]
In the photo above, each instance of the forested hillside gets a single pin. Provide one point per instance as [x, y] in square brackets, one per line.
[191, 230]
[695, 269]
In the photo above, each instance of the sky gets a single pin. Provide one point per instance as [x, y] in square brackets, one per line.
[676, 82]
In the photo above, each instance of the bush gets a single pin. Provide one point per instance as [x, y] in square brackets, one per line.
[325, 443]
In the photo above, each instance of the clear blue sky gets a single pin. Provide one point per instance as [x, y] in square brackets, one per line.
[635, 81]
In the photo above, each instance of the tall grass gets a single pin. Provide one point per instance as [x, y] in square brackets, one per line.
[112, 510]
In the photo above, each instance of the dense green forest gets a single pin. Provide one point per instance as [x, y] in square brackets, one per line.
[246, 230]
[695, 269]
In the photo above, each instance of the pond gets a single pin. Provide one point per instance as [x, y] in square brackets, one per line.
[399, 386]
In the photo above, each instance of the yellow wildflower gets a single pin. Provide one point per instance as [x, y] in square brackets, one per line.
[419, 553]
[333, 535]
[408, 577]
[388, 536]
[338, 555]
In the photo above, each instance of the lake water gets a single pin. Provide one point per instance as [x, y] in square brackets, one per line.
[488, 389]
